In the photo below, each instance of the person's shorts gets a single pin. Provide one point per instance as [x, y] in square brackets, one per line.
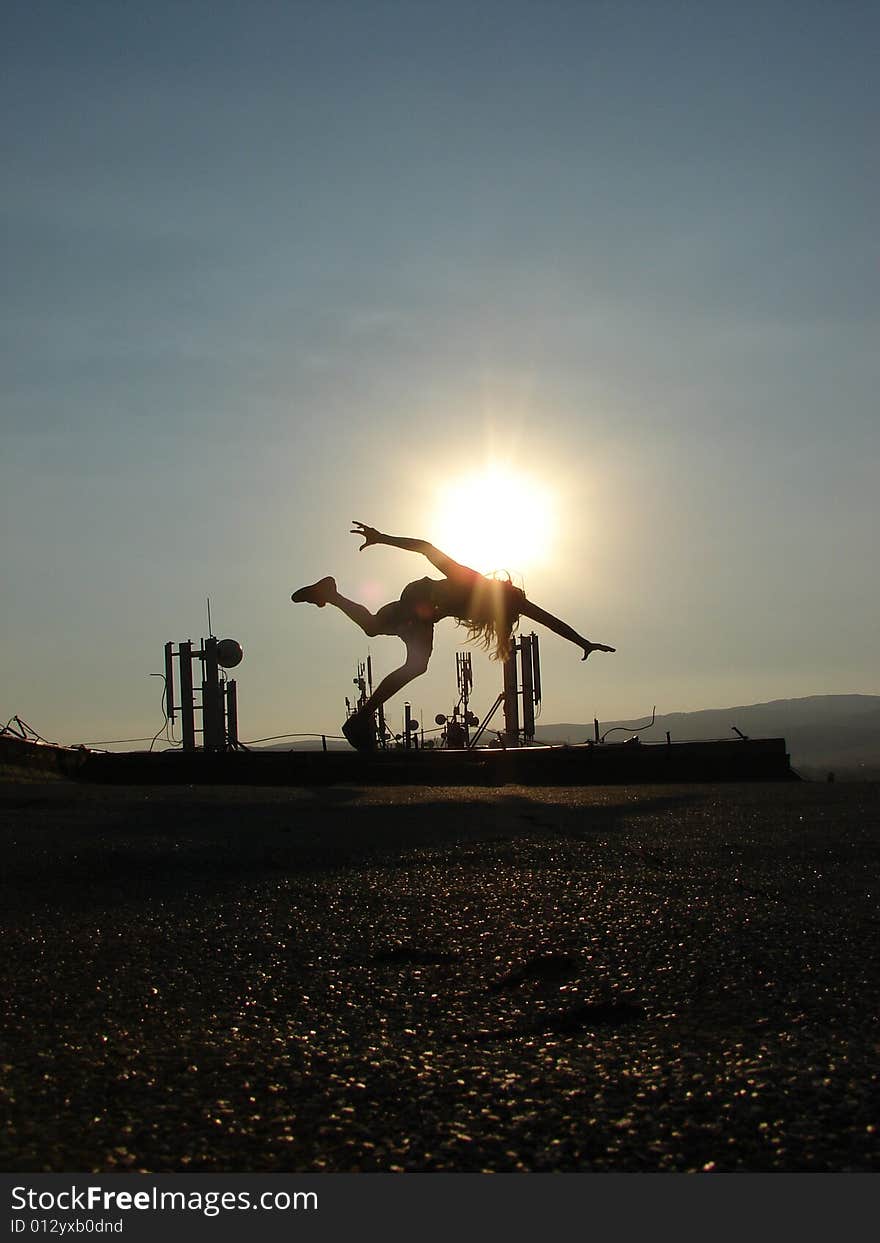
[418, 601]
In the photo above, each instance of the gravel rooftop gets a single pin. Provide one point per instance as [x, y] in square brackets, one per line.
[675, 978]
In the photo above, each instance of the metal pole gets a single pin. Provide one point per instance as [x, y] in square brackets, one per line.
[380, 725]
[528, 687]
[511, 703]
[187, 711]
[212, 704]
[231, 715]
[169, 681]
[407, 718]
[536, 666]
[465, 680]
[485, 721]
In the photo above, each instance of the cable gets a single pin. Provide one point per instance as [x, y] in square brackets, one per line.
[167, 722]
[275, 738]
[164, 706]
[112, 742]
[633, 726]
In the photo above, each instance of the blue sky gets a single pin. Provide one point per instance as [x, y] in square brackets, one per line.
[270, 267]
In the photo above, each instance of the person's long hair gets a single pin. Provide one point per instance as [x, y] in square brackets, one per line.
[495, 609]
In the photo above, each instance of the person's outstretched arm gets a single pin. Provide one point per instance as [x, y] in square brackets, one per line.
[561, 628]
[437, 558]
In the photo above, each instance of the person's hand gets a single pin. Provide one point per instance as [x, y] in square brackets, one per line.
[369, 534]
[597, 647]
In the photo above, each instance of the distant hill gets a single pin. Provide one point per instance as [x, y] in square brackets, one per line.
[839, 733]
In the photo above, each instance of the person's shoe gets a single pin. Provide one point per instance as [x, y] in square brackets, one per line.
[318, 593]
[359, 731]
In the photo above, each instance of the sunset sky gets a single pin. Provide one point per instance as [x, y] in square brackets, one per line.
[584, 291]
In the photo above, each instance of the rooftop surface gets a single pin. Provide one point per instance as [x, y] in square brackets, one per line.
[668, 978]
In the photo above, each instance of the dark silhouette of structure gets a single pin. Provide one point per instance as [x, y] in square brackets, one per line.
[457, 727]
[489, 608]
[364, 683]
[219, 701]
[529, 691]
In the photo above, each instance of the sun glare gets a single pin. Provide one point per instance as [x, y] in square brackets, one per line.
[496, 519]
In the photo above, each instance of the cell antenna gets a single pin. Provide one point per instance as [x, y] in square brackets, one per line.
[210, 628]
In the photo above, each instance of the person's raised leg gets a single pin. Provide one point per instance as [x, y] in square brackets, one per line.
[323, 592]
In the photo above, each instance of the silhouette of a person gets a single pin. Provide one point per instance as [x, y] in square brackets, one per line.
[488, 607]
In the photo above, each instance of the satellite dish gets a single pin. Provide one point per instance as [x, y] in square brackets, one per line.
[229, 653]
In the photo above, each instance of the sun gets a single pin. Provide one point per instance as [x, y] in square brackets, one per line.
[500, 518]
